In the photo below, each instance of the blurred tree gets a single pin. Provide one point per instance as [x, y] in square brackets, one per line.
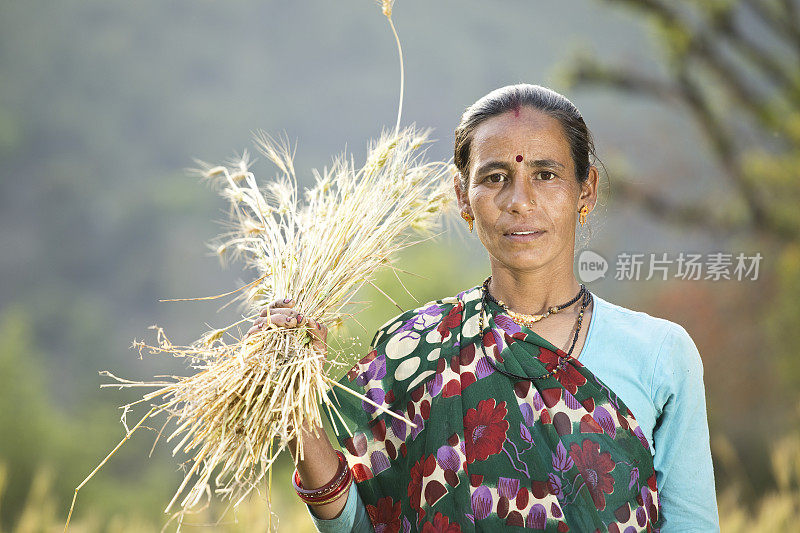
[26, 417]
[742, 91]
[733, 67]
[37, 436]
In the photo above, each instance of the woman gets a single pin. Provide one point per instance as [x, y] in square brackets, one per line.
[536, 404]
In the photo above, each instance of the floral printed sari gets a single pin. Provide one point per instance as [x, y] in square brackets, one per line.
[489, 452]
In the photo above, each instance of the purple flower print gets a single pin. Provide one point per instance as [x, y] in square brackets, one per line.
[498, 338]
[634, 477]
[365, 377]
[642, 438]
[554, 483]
[537, 401]
[398, 426]
[537, 517]
[434, 385]
[377, 395]
[481, 502]
[641, 516]
[379, 367]
[647, 498]
[525, 433]
[508, 487]
[561, 459]
[527, 414]
[375, 371]
[603, 418]
[483, 368]
[448, 458]
[408, 325]
[570, 400]
[379, 461]
[508, 325]
[420, 426]
[432, 310]
[419, 321]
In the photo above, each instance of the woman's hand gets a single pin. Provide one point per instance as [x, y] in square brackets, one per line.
[281, 313]
[320, 462]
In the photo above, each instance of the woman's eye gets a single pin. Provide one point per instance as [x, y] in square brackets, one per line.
[549, 175]
[495, 178]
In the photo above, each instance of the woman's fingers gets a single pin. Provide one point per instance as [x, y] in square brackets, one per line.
[280, 316]
[317, 330]
[280, 313]
[318, 334]
[288, 318]
[280, 303]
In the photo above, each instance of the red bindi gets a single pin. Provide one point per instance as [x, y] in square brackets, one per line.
[519, 159]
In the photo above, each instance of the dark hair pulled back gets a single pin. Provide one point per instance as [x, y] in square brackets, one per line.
[512, 97]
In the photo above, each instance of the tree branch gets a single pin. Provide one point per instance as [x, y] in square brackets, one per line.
[703, 48]
[785, 79]
[590, 71]
[695, 216]
[784, 24]
[689, 95]
[685, 89]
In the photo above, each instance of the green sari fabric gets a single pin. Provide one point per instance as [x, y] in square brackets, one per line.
[489, 452]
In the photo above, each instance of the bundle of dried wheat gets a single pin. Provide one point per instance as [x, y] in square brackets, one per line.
[237, 412]
[249, 394]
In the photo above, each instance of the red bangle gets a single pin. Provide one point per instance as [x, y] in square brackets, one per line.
[333, 495]
[337, 478]
[329, 492]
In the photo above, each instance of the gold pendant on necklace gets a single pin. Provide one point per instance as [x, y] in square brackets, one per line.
[527, 320]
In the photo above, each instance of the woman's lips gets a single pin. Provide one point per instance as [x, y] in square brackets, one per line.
[524, 236]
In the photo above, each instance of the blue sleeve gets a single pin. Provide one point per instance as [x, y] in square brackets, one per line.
[352, 519]
[684, 471]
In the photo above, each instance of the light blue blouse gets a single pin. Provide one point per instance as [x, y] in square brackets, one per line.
[653, 365]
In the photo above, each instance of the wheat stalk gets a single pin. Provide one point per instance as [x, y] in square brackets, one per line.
[248, 393]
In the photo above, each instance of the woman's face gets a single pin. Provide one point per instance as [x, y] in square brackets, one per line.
[522, 190]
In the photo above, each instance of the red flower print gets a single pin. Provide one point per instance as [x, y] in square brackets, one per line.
[421, 469]
[353, 372]
[594, 468]
[485, 430]
[385, 516]
[441, 524]
[368, 358]
[449, 322]
[569, 377]
[359, 367]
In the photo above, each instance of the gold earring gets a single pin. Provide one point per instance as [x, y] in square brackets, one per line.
[466, 216]
[584, 211]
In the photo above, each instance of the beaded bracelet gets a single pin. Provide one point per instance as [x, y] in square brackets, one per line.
[341, 471]
[331, 497]
[329, 492]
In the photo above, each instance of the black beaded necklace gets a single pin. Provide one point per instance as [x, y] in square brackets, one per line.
[529, 320]
[562, 361]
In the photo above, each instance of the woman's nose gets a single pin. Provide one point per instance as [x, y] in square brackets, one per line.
[521, 197]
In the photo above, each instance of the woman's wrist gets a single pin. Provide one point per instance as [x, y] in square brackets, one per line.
[319, 465]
